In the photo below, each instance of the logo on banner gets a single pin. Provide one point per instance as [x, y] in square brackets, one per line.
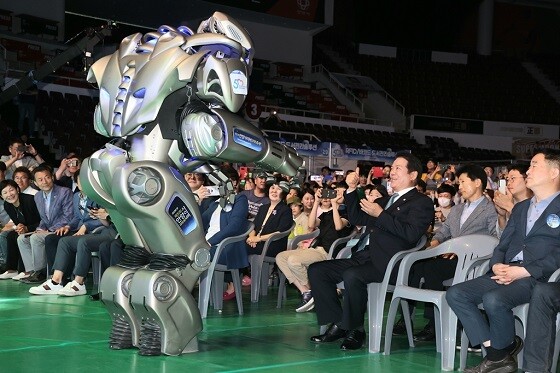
[303, 4]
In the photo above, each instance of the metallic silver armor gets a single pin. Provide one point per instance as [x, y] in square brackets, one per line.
[168, 97]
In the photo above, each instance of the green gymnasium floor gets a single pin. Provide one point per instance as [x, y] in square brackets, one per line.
[59, 334]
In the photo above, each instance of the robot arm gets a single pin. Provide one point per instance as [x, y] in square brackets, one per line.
[224, 136]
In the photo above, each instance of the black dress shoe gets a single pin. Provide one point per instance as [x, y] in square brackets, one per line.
[400, 327]
[35, 278]
[427, 334]
[517, 346]
[354, 340]
[94, 296]
[506, 365]
[333, 333]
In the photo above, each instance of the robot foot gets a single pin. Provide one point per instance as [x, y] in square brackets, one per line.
[150, 339]
[121, 335]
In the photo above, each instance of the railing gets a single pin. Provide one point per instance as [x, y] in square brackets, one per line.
[326, 116]
[396, 104]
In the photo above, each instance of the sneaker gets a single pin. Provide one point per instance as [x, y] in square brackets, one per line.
[246, 281]
[21, 275]
[46, 288]
[72, 289]
[8, 275]
[307, 302]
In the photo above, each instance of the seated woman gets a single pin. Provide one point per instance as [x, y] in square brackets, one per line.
[333, 224]
[271, 218]
[307, 199]
[24, 219]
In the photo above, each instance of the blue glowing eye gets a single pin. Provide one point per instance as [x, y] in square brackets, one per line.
[185, 30]
[140, 93]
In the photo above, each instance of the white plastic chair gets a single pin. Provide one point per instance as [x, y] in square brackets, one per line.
[292, 245]
[260, 265]
[471, 250]
[520, 313]
[212, 280]
[376, 297]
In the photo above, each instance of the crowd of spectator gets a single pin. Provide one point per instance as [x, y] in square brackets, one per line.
[50, 228]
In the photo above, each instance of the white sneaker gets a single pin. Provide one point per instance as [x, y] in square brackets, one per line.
[72, 289]
[21, 275]
[46, 288]
[8, 275]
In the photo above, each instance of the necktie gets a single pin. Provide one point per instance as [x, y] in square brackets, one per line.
[391, 200]
[362, 242]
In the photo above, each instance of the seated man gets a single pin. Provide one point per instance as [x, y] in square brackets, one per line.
[55, 207]
[516, 191]
[541, 328]
[476, 215]
[76, 248]
[396, 226]
[23, 177]
[524, 257]
[333, 224]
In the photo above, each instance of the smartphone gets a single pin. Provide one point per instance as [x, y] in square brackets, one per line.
[377, 172]
[339, 172]
[328, 193]
[361, 193]
[316, 178]
[502, 186]
[213, 190]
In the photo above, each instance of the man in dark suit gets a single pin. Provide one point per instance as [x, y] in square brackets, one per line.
[527, 254]
[395, 224]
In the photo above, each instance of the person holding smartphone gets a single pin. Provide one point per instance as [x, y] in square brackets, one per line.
[65, 172]
[21, 154]
[333, 224]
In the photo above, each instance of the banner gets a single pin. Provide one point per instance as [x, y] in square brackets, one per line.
[524, 148]
[326, 149]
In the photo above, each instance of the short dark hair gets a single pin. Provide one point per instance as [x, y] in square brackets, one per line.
[422, 184]
[474, 172]
[7, 183]
[446, 188]
[413, 163]
[380, 188]
[16, 140]
[2, 167]
[522, 168]
[325, 168]
[24, 170]
[42, 168]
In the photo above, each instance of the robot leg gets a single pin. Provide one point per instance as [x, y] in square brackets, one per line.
[168, 313]
[114, 293]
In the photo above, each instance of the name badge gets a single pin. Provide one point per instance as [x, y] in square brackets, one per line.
[553, 221]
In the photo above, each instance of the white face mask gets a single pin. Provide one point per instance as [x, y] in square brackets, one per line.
[444, 202]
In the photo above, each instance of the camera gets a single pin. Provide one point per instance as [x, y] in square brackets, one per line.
[23, 148]
[328, 193]
[213, 190]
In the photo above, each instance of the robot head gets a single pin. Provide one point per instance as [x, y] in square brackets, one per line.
[220, 23]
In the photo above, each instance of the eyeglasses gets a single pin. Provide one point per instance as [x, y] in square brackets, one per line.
[512, 179]
[195, 175]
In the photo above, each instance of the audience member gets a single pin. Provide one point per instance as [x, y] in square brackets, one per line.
[432, 176]
[327, 176]
[55, 207]
[77, 249]
[541, 328]
[23, 177]
[4, 218]
[391, 230]
[272, 217]
[516, 191]
[308, 199]
[84, 221]
[196, 182]
[18, 157]
[64, 175]
[24, 219]
[257, 196]
[445, 195]
[476, 215]
[219, 225]
[332, 224]
[524, 257]
[301, 219]
[491, 183]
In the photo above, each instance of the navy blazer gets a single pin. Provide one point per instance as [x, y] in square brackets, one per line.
[232, 223]
[280, 220]
[61, 209]
[396, 229]
[541, 246]
[81, 216]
